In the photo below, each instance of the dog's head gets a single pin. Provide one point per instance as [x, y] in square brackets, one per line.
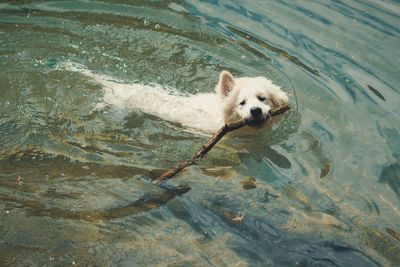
[250, 98]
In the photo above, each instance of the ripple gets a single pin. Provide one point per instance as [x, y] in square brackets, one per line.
[74, 187]
[279, 51]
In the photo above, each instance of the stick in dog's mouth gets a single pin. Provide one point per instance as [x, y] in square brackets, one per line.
[259, 122]
[205, 148]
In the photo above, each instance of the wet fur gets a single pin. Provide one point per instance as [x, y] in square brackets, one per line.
[205, 112]
[255, 92]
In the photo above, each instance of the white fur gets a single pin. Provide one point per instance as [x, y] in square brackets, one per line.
[205, 112]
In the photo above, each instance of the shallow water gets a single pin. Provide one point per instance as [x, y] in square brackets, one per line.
[322, 189]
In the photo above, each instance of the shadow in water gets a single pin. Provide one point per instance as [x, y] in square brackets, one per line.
[258, 241]
[143, 204]
[391, 175]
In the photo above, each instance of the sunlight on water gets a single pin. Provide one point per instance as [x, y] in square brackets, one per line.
[321, 189]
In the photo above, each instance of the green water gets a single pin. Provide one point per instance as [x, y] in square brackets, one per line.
[73, 183]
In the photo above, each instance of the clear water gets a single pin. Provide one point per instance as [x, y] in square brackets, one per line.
[73, 186]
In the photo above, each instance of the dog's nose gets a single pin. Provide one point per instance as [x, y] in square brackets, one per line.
[255, 111]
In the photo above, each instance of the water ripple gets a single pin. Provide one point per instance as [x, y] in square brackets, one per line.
[324, 182]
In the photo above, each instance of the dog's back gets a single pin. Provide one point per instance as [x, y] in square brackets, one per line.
[202, 111]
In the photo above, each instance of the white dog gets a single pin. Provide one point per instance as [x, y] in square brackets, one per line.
[235, 99]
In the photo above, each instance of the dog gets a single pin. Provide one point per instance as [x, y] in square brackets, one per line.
[234, 99]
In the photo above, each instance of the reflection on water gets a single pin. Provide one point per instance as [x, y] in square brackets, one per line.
[320, 189]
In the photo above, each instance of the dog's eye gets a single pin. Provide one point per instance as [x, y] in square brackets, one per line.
[261, 98]
[242, 103]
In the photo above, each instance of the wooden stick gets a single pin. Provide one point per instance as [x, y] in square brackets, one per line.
[210, 144]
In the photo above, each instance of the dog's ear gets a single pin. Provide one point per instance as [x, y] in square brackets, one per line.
[225, 84]
[278, 98]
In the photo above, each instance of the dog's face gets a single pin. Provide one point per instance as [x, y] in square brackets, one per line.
[250, 98]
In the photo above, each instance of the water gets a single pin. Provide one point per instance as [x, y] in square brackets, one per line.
[323, 189]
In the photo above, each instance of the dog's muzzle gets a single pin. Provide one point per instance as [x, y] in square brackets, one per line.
[257, 123]
[257, 119]
[255, 112]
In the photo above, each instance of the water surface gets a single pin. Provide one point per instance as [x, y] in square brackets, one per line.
[322, 189]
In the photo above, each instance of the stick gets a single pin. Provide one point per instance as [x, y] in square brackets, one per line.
[210, 144]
